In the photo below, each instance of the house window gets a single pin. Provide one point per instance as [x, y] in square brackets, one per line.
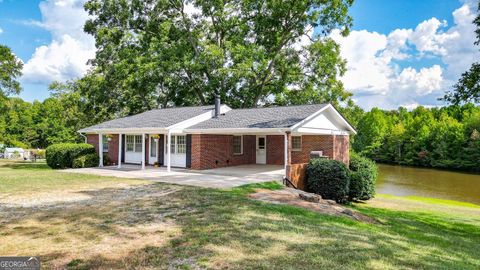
[296, 143]
[130, 143]
[138, 143]
[133, 143]
[172, 144]
[153, 147]
[181, 144]
[178, 145]
[105, 143]
[237, 145]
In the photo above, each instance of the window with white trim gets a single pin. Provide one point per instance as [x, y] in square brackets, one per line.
[105, 143]
[238, 145]
[133, 143]
[178, 144]
[296, 143]
[153, 147]
[130, 139]
[172, 144]
[138, 143]
[181, 144]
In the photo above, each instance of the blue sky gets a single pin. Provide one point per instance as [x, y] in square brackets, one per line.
[400, 52]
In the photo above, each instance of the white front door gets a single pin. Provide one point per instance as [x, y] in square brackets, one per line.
[178, 151]
[261, 149]
[153, 150]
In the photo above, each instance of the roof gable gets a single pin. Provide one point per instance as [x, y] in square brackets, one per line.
[328, 120]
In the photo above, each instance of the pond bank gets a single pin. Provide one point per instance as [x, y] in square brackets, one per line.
[411, 181]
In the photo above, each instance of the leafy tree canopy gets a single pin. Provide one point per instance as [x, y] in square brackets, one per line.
[154, 53]
[10, 70]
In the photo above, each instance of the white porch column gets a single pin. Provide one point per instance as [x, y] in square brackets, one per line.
[288, 153]
[143, 151]
[285, 153]
[100, 149]
[169, 149]
[119, 150]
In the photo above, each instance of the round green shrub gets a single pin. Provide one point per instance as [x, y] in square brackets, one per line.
[60, 156]
[363, 176]
[329, 178]
[86, 161]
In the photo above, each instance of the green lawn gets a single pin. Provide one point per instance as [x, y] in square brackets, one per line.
[118, 223]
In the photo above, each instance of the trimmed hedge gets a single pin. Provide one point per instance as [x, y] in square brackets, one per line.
[86, 161]
[329, 178]
[363, 176]
[60, 156]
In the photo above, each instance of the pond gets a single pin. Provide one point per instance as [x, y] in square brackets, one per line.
[406, 181]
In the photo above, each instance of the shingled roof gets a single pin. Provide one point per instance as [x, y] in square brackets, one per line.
[269, 117]
[158, 118]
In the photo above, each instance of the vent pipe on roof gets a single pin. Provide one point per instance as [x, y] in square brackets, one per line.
[217, 106]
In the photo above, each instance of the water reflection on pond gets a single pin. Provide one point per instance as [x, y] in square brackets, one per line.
[405, 181]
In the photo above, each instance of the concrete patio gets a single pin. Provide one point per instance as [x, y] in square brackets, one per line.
[214, 178]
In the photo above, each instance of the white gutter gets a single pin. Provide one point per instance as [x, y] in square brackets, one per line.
[126, 130]
[236, 130]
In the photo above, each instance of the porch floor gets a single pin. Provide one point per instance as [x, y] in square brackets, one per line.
[214, 178]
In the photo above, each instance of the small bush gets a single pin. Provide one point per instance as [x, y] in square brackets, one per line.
[86, 161]
[363, 176]
[329, 178]
[61, 155]
[106, 160]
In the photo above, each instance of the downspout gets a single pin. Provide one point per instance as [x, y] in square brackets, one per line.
[85, 137]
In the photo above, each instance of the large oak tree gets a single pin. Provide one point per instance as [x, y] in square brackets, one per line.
[153, 53]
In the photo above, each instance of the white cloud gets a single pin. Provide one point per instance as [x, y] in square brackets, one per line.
[377, 78]
[368, 71]
[428, 37]
[63, 59]
[424, 82]
[1, 30]
[67, 55]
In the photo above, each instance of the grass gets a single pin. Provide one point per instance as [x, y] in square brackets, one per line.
[136, 224]
[28, 178]
[432, 201]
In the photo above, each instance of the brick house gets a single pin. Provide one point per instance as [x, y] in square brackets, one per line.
[207, 137]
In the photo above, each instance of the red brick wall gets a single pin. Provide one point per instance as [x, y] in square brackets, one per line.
[215, 151]
[112, 146]
[342, 148]
[93, 140]
[310, 143]
[275, 149]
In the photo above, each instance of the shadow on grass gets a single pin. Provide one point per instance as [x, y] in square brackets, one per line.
[224, 229]
[25, 165]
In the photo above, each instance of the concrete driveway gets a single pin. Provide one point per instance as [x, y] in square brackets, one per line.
[214, 178]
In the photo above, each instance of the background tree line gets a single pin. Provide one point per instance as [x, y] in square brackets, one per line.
[446, 137]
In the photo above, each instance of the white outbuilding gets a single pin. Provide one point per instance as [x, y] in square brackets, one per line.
[14, 153]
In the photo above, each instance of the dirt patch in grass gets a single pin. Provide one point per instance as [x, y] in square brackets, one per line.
[291, 197]
[102, 230]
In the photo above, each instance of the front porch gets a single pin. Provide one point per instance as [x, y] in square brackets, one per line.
[227, 177]
[215, 153]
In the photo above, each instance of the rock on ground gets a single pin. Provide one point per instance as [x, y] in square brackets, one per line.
[309, 201]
